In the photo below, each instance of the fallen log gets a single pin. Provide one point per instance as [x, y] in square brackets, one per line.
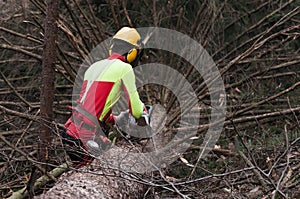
[100, 179]
[43, 180]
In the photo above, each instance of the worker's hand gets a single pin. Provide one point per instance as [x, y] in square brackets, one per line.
[122, 118]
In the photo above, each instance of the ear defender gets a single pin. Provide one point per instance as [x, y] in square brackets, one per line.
[132, 55]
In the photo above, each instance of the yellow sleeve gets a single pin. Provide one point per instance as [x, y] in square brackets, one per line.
[136, 106]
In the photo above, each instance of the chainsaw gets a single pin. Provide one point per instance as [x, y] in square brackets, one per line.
[97, 146]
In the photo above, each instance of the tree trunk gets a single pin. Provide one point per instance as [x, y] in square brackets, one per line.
[98, 180]
[48, 78]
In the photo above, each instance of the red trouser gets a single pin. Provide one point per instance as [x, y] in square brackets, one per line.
[78, 131]
[75, 150]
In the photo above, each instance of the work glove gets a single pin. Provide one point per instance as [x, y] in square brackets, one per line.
[122, 119]
[141, 128]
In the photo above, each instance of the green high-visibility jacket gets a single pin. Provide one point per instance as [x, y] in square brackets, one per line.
[102, 85]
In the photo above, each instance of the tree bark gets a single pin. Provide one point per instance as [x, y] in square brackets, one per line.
[101, 179]
[48, 78]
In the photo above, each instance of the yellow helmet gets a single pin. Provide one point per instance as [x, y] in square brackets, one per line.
[130, 35]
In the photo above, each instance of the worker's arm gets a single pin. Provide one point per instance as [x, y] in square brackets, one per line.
[136, 106]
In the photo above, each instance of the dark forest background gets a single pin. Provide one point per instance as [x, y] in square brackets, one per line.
[254, 43]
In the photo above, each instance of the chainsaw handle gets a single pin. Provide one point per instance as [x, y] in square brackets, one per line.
[148, 110]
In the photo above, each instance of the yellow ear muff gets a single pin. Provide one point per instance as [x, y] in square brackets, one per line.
[131, 55]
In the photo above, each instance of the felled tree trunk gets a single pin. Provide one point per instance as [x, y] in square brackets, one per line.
[95, 181]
